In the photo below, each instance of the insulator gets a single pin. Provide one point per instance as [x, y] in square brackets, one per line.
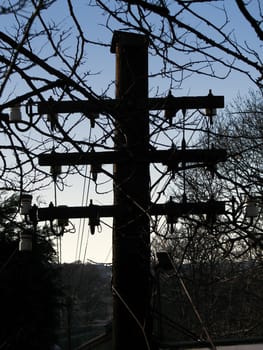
[252, 209]
[92, 117]
[172, 163]
[4, 117]
[55, 171]
[52, 117]
[210, 111]
[211, 218]
[168, 113]
[94, 219]
[25, 243]
[212, 169]
[15, 114]
[62, 222]
[93, 222]
[94, 170]
[26, 200]
[171, 217]
[29, 108]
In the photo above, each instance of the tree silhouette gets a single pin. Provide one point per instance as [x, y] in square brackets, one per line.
[29, 289]
[217, 264]
[45, 58]
[35, 52]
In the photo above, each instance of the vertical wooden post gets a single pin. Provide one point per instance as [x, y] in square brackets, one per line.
[131, 232]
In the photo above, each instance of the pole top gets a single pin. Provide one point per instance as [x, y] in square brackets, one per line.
[127, 39]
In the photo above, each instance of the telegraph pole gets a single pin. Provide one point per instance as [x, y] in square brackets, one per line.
[131, 229]
[132, 208]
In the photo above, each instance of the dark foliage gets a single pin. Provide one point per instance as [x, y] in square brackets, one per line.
[28, 289]
[223, 300]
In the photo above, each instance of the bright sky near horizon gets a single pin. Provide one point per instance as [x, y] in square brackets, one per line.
[98, 247]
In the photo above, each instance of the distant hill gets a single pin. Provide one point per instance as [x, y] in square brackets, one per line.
[86, 305]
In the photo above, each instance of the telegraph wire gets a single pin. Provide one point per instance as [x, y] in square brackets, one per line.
[81, 227]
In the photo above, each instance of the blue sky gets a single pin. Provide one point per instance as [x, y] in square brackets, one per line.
[102, 63]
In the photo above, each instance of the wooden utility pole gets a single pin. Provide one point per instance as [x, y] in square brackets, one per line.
[132, 208]
[131, 231]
